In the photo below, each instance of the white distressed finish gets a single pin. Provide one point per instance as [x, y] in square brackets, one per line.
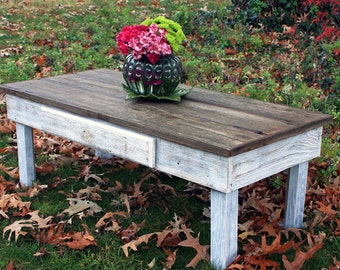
[103, 154]
[25, 154]
[295, 197]
[265, 161]
[98, 134]
[191, 164]
[224, 175]
[224, 217]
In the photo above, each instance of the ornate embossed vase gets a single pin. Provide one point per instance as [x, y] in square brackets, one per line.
[154, 81]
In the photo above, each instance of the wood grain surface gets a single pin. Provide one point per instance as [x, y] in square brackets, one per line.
[210, 121]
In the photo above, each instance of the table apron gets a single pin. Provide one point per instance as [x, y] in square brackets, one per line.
[220, 173]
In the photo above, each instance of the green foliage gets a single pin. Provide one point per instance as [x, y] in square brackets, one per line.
[330, 150]
[271, 15]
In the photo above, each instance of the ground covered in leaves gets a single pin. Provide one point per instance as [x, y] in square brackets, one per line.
[90, 213]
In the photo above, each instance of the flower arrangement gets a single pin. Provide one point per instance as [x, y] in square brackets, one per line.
[152, 38]
[150, 69]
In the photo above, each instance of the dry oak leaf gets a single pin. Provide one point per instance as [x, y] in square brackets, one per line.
[109, 222]
[52, 235]
[326, 209]
[41, 222]
[12, 200]
[80, 240]
[202, 251]
[3, 214]
[12, 172]
[6, 126]
[170, 260]
[168, 238]
[301, 257]
[91, 192]
[10, 266]
[262, 262]
[135, 243]
[78, 206]
[5, 186]
[17, 228]
[130, 233]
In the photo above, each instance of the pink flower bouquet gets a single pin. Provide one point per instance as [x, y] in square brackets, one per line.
[151, 70]
[152, 38]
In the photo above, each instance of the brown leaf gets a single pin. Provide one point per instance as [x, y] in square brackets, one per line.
[80, 240]
[326, 209]
[135, 243]
[91, 192]
[17, 228]
[170, 260]
[46, 168]
[3, 214]
[14, 201]
[109, 222]
[78, 206]
[335, 265]
[41, 222]
[7, 126]
[12, 172]
[52, 235]
[202, 251]
[301, 257]
[168, 238]
[263, 262]
[41, 252]
[131, 232]
[10, 266]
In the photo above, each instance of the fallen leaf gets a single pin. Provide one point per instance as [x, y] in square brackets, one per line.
[301, 257]
[17, 228]
[202, 251]
[10, 266]
[152, 263]
[170, 260]
[135, 243]
[78, 206]
[80, 240]
[3, 214]
[41, 252]
[41, 222]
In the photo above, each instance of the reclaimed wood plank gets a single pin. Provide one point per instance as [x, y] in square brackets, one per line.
[215, 122]
[265, 161]
[92, 132]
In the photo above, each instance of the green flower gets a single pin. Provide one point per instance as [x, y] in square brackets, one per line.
[174, 35]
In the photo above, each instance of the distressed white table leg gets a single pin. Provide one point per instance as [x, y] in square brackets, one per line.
[224, 221]
[295, 197]
[25, 154]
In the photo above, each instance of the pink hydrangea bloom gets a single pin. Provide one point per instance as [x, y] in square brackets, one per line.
[144, 40]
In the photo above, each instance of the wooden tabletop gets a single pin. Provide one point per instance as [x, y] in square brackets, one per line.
[215, 122]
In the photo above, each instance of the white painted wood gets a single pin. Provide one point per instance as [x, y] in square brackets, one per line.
[191, 164]
[265, 161]
[94, 133]
[224, 221]
[295, 197]
[25, 154]
[103, 154]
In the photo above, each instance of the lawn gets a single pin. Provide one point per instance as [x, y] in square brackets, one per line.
[244, 49]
